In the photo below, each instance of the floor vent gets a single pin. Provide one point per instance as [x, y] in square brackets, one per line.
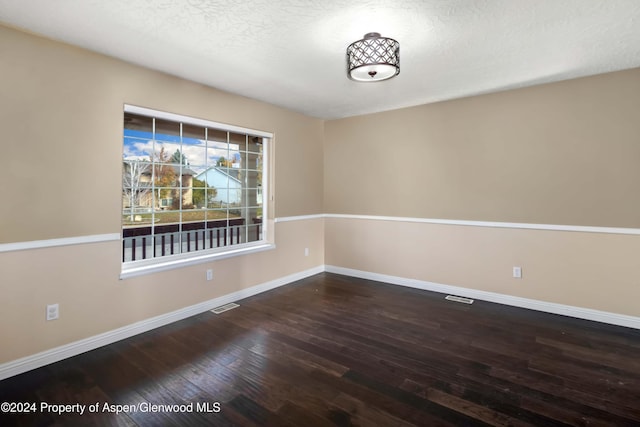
[459, 299]
[224, 308]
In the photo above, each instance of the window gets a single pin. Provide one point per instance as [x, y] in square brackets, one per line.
[191, 189]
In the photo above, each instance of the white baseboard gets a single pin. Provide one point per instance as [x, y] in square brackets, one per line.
[38, 360]
[548, 307]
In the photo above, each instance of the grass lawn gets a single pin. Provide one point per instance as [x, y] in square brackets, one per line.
[173, 217]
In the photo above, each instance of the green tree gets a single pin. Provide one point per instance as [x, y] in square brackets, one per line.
[202, 192]
[179, 158]
[224, 163]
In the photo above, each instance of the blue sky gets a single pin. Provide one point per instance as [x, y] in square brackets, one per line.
[199, 153]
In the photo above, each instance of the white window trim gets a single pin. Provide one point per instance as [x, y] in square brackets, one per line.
[153, 265]
[156, 265]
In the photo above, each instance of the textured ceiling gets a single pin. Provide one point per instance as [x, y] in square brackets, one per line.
[292, 52]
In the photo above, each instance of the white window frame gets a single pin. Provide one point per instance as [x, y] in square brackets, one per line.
[168, 262]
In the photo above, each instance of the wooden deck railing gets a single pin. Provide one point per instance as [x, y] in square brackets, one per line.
[165, 239]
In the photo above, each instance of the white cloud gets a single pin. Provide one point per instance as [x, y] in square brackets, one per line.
[199, 153]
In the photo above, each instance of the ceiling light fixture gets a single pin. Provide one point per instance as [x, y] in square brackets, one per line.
[374, 58]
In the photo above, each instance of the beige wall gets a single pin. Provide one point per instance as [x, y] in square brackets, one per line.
[566, 153]
[61, 116]
[563, 153]
[83, 279]
[588, 270]
[61, 112]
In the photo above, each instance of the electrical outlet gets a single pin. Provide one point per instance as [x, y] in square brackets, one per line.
[209, 274]
[306, 251]
[517, 272]
[53, 311]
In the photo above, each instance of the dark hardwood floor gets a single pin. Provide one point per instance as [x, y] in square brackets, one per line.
[334, 350]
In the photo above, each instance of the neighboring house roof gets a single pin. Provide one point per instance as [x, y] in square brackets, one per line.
[185, 171]
[232, 173]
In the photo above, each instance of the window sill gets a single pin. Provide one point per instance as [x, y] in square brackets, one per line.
[156, 266]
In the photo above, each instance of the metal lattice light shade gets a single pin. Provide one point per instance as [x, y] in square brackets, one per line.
[374, 58]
